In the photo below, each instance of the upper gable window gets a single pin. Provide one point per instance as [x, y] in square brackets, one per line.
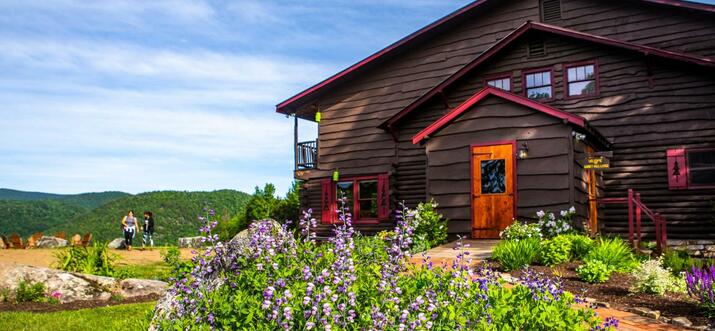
[538, 85]
[502, 83]
[581, 80]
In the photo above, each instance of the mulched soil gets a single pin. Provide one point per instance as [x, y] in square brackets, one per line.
[38, 307]
[615, 292]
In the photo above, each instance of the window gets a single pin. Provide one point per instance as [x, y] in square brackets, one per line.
[582, 80]
[538, 85]
[701, 167]
[365, 198]
[502, 83]
[691, 168]
[493, 176]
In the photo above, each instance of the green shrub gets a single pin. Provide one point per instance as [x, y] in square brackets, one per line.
[516, 254]
[518, 231]
[615, 253]
[552, 226]
[431, 227]
[555, 251]
[581, 245]
[679, 261]
[651, 277]
[594, 271]
[30, 292]
[93, 260]
[172, 256]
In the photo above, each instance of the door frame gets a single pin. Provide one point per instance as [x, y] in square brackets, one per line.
[471, 176]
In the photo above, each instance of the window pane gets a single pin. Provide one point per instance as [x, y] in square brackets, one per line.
[580, 73]
[529, 80]
[589, 72]
[702, 167]
[538, 80]
[572, 74]
[507, 84]
[546, 78]
[368, 208]
[493, 176]
[539, 93]
[582, 88]
[368, 189]
[345, 190]
[503, 84]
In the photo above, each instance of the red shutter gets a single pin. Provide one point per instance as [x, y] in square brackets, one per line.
[327, 198]
[677, 169]
[383, 197]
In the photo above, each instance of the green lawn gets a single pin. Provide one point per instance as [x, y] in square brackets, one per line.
[158, 271]
[122, 317]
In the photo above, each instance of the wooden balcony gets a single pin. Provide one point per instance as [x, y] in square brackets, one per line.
[306, 155]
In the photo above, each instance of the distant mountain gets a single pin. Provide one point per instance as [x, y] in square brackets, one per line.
[86, 200]
[28, 216]
[175, 213]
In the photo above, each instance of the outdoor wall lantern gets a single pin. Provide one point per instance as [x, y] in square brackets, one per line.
[336, 175]
[578, 136]
[523, 151]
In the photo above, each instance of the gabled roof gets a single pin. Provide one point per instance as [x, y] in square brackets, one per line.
[533, 26]
[289, 105]
[567, 117]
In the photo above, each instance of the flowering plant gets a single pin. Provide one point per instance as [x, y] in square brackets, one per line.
[278, 280]
[518, 231]
[552, 226]
[651, 277]
[700, 284]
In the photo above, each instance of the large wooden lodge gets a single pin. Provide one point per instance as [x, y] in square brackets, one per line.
[504, 108]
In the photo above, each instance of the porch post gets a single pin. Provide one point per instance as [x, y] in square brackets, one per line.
[630, 217]
[295, 141]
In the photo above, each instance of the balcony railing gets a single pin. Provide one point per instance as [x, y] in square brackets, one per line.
[306, 155]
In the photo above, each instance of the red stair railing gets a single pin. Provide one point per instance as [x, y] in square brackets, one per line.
[636, 208]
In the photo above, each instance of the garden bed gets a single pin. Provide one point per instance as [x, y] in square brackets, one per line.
[616, 292]
[45, 307]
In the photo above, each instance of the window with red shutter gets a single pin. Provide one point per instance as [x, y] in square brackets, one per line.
[327, 199]
[677, 169]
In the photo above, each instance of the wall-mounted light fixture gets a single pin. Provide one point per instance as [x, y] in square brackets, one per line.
[336, 175]
[523, 151]
[578, 136]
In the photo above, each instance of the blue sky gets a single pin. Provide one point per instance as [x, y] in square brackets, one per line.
[167, 94]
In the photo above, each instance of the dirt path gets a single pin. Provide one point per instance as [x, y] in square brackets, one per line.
[45, 257]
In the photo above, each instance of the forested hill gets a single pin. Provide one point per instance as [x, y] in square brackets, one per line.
[86, 200]
[175, 214]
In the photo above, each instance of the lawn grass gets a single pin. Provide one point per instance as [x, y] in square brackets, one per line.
[158, 271]
[122, 317]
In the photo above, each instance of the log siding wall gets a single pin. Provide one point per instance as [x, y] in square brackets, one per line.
[627, 109]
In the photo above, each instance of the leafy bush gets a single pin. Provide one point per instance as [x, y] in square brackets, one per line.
[172, 257]
[518, 231]
[430, 227]
[651, 277]
[278, 281]
[555, 251]
[679, 261]
[581, 245]
[516, 254]
[594, 271]
[30, 292]
[551, 226]
[94, 260]
[615, 253]
[701, 286]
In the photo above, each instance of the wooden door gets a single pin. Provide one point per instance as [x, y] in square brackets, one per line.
[492, 189]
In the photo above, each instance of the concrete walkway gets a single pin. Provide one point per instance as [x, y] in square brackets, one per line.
[480, 250]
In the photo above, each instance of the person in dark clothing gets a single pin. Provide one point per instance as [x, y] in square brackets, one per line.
[148, 229]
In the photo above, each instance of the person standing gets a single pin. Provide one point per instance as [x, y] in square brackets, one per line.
[131, 226]
[148, 229]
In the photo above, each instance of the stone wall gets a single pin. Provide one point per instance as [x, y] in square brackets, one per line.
[696, 248]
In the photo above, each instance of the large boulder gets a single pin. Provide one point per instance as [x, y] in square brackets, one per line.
[190, 242]
[73, 286]
[51, 242]
[244, 237]
[116, 244]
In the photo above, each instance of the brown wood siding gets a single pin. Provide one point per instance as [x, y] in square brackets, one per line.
[543, 178]
[642, 122]
[350, 141]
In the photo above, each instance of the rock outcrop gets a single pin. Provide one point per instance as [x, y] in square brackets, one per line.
[190, 242]
[73, 286]
[116, 243]
[51, 242]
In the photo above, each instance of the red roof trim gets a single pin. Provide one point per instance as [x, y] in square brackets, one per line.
[528, 26]
[487, 91]
[685, 4]
[281, 108]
